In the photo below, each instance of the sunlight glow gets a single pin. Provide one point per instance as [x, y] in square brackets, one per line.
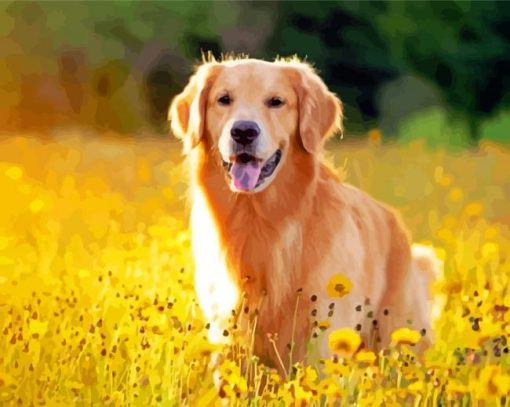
[217, 290]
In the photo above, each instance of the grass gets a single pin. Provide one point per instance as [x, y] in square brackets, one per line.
[96, 296]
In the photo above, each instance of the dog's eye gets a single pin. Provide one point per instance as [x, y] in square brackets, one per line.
[275, 102]
[225, 100]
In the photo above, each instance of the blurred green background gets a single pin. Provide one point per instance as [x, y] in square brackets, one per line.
[437, 70]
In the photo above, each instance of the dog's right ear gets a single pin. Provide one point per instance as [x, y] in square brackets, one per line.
[187, 110]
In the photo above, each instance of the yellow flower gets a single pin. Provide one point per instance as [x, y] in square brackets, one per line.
[5, 380]
[449, 221]
[446, 235]
[339, 286]
[491, 383]
[298, 393]
[14, 172]
[456, 194]
[405, 336]
[488, 330]
[330, 388]
[374, 135]
[489, 249]
[323, 325]
[491, 232]
[416, 386]
[274, 377]
[117, 398]
[37, 328]
[344, 341]
[37, 205]
[335, 368]
[144, 170]
[441, 178]
[473, 209]
[301, 394]
[235, 383]
[310, 376]
[445, 181]
[74, 385]
[366, 356]
[378, 397]
[4, 242]
[453, 386]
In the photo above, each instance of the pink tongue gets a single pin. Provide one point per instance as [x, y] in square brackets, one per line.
[245, 176]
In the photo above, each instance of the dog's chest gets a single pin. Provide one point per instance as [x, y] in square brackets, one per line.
[245, 252]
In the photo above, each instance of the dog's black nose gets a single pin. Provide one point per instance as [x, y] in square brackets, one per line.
[244, 132]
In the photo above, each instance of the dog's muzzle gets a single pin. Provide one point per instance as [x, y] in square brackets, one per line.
[248, 172]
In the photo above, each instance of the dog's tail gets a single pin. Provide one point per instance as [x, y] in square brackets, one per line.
[426, 261]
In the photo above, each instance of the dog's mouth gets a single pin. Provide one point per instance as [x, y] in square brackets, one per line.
[249, 172]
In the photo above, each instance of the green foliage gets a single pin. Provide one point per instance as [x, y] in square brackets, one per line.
[497, 128]
[435, 126]
[458, 45]
[463, 47]
[144, 52]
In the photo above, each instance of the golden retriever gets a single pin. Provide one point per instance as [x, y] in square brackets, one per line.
[271, 223]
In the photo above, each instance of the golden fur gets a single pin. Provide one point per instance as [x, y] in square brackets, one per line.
[264, 249]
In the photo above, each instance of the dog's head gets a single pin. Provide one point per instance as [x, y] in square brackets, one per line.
[255, 113]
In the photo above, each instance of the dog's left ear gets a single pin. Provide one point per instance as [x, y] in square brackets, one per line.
[188, 109]
[320, 111]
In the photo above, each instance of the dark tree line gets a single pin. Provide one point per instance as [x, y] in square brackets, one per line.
[118, 64]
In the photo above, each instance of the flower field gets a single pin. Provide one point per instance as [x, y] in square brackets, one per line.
[96, 291]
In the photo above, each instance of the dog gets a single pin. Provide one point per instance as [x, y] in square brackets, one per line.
[272, 224]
